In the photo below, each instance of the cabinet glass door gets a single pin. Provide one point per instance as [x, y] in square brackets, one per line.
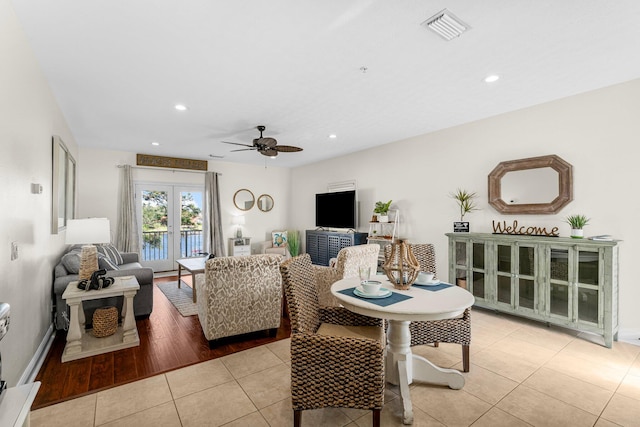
[588, 286]
[525, 277]
[478, 288]
[460, 257]
[559, 287]
[504, 274]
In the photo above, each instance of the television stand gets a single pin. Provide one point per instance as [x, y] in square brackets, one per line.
[324, 245]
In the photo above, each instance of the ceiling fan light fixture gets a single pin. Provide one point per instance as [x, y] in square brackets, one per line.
[446, 25]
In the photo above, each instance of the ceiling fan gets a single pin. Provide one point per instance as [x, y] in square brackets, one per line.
[266, 146]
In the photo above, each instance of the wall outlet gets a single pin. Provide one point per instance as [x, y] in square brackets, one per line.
[14, 250]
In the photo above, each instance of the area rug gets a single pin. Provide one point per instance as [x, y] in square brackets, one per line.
[181, 298]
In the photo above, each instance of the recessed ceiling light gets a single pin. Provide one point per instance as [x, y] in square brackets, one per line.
[333, 136]
[155, 143]
[492, 78]
[181, 107]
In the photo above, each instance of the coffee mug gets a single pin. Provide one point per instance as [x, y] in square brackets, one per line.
[371, 287]
[426, 276]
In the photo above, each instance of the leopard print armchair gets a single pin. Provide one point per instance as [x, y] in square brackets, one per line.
[238, 295]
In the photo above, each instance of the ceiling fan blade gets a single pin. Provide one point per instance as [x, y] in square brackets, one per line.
[269, 153]
[243, 149]
[236, 143]
[287, 148]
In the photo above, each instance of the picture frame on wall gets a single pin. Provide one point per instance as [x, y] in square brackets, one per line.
[63, 185]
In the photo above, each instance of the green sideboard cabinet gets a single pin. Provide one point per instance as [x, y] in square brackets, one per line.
[562, 281]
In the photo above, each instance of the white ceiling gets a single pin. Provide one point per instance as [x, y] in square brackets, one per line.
[118, 67]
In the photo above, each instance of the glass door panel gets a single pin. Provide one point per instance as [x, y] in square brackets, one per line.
[559, 300]
[588, 267]
[526, 293]
[588, 305]
[191, 244]
[560, 264]
[504, 289]
[461, 253]
[504, 259]
[526, 258]
[156, 221]
[478, 284]
[478, 255]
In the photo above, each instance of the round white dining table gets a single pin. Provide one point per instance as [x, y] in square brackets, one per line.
[403, 367]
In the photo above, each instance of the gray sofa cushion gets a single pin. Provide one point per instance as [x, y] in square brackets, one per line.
[71, 261]
[106, 264]
[110, 251]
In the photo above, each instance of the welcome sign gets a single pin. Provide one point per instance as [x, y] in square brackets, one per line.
[515, 228]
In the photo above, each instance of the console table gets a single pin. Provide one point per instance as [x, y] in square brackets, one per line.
[562, 281]
[239, 246]
[79, 343]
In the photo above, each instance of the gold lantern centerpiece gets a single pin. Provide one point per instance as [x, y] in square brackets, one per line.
[401, 267]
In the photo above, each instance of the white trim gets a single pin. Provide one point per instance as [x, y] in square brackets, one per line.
[29, 374]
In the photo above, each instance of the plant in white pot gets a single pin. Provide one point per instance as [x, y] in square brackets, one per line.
[467, 204]
[577, 223]
[382, 211]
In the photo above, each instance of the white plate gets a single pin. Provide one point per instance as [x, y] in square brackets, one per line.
[428, 283]
[382, 293]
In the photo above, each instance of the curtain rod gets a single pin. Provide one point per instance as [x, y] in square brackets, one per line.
[166, 169]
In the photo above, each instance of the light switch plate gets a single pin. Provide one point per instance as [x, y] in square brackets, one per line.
[14, 250]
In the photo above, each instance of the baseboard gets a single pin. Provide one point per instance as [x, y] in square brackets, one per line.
[629, 336]
[29, 374]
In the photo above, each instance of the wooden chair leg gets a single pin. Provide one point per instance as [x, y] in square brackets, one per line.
[376, 417]
[297, 417]
[465, 358]
[436, 344]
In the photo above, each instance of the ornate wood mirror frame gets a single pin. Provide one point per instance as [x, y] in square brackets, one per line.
[565, 185]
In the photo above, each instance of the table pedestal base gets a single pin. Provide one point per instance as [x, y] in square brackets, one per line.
[403, 367]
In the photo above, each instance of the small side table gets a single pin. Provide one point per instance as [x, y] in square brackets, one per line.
[239, 246]
[79, 343]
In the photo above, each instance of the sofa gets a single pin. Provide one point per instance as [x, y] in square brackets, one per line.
[117, 264]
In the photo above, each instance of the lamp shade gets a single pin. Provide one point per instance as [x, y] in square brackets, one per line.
[238, 220]
[88, 231]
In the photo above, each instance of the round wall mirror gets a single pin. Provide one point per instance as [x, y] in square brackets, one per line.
[244, 199]
[265, 202]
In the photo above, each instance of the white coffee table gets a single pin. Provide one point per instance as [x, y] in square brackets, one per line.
[194, 266]
[402, 367]
[81, 344]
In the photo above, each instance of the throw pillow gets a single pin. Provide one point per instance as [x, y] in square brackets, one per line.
[71, 261]
[110, 251]
[279, 239]
[105, 263]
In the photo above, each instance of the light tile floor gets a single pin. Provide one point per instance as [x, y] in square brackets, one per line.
[522, 373]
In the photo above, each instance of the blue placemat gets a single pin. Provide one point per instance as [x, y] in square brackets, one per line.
[432, 288]
[382, 302]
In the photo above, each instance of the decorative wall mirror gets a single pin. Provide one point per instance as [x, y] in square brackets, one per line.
[265, 202]
[244, 199]
[536, 185]
[63, 186]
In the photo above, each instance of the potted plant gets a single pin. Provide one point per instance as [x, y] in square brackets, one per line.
[577, 222]
[466, 203]
[293, 242]
[382, 211]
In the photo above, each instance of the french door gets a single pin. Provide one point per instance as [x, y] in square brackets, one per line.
[169, 223]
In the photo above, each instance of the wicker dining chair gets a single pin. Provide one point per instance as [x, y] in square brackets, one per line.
[337, 357]
[456, 330]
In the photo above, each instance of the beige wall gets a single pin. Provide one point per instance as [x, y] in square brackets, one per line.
[99, 176]
[29, 116]
[597, 132]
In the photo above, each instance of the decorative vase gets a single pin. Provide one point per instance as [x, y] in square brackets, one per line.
[577, 233]
[461, 227]
[401, 267]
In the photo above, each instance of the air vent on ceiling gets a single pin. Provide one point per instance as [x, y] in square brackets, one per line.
[446, 25]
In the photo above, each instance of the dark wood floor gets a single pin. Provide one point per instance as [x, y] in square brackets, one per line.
[167, 341]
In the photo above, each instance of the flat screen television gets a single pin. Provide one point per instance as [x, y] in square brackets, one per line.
[337, 210]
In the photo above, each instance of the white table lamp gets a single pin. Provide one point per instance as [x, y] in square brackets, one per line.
[87, 232]
[239, 221]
